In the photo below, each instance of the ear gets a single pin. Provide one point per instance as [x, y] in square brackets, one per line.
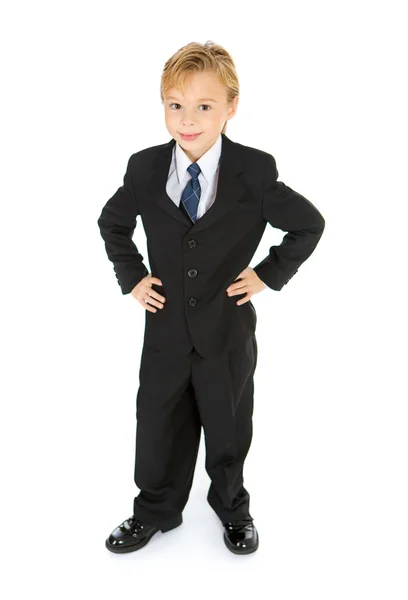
[233, 108]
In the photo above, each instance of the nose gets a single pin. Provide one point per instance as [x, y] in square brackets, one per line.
[187, 118]
[187, 123]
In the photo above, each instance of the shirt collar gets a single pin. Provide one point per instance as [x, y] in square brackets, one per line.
[208, 163]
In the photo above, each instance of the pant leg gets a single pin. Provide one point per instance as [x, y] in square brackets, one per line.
[224, 390]
[167, 437]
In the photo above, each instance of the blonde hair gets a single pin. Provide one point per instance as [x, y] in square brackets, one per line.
[196, 57]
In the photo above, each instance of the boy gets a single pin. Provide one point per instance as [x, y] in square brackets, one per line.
[204, 201]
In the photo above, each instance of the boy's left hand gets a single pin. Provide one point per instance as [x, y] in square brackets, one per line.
[249, 284]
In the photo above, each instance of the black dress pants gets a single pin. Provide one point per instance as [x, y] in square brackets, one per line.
[176, 398]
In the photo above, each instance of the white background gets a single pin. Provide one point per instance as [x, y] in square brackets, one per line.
[322, 89]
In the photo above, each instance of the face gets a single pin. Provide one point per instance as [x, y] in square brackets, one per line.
[203, 110]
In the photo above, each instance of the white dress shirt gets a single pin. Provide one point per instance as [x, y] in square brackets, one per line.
[208, 178]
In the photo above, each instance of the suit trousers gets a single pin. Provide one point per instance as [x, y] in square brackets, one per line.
[176, 398]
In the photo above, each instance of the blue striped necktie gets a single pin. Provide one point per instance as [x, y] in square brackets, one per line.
[192, 192]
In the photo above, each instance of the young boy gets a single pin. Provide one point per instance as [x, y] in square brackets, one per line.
[204, 201]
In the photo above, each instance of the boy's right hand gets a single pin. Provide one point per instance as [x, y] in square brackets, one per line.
[144, 293]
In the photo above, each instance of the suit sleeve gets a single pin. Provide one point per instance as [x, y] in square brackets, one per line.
[117, 223]
[289, 211]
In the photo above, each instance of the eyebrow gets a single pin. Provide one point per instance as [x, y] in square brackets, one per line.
[198, 99]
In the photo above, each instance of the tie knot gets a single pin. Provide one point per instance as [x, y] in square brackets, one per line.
[194, 170]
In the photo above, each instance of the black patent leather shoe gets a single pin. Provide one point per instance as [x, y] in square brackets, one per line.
[133, 534]
[241, 537]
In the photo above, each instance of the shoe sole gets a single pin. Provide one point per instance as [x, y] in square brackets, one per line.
[124, 549]
[235, 550]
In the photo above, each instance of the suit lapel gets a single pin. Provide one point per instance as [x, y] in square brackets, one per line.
[229, 189]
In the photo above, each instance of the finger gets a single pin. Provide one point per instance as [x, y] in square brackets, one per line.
[150, 300]
[149, 291]
[155, 280]
[147, 306]
[243, 300]
[156, 295]
[237, 289]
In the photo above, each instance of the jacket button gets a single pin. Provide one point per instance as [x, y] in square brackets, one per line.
[192, 301]
[192, 243]
[192, 272]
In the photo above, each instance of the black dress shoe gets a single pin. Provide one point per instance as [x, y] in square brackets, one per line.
[241, 537]
[132, 535]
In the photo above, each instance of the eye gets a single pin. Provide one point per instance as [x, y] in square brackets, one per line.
[176, 104]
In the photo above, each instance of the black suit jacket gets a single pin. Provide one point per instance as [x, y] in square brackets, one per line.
[196, 262]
